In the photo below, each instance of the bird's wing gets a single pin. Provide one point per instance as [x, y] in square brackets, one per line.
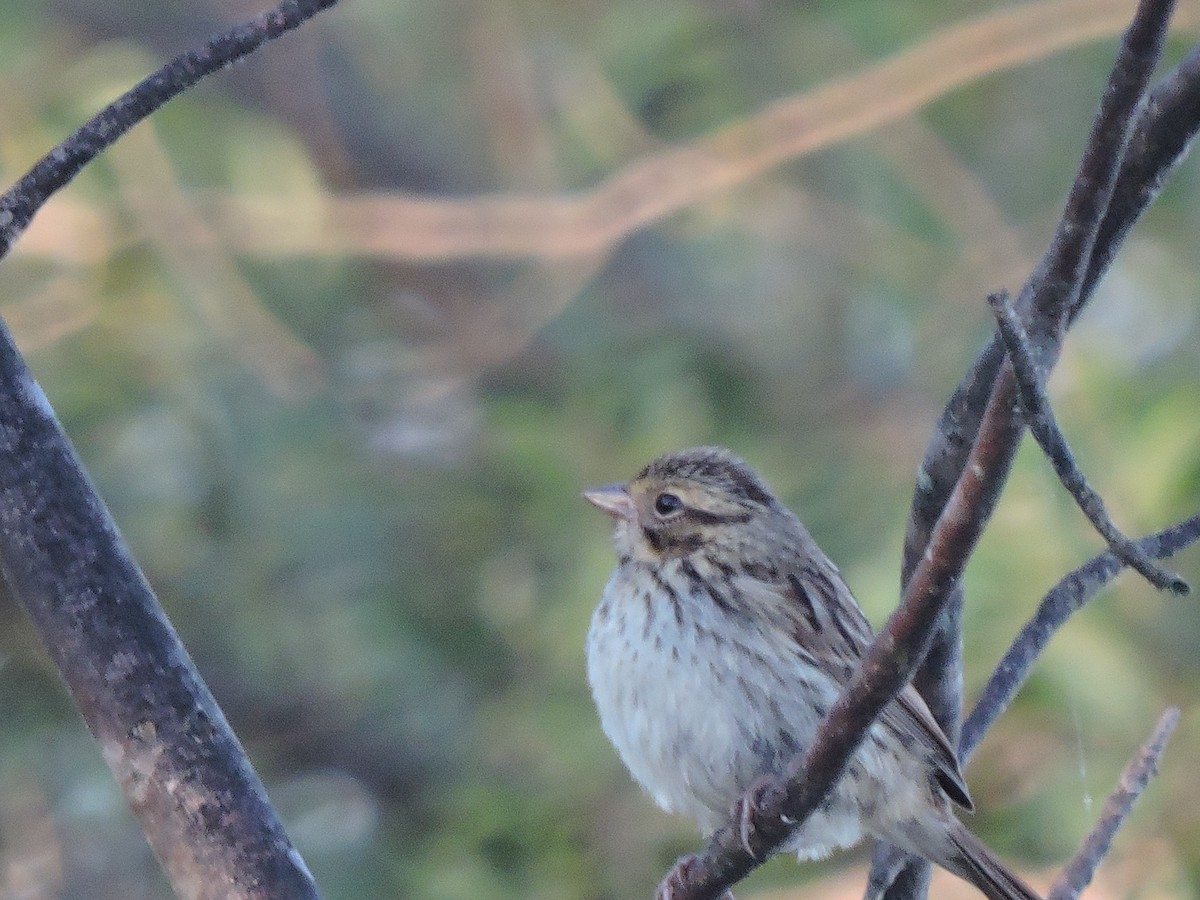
[838, 634]
[910, 710]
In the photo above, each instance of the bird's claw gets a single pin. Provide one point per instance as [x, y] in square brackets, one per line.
[673, 885]
[747, 806]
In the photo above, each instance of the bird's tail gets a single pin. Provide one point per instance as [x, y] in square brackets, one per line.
[969, 859]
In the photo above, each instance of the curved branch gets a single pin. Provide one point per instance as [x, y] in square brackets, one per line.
[181, 768]
[1132, 783]
[1067, 597]
[1059, 286]
[20, 203]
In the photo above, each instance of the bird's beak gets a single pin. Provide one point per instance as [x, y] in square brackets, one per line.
[613, 499]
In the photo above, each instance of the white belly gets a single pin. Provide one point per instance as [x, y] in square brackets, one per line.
[695, 727]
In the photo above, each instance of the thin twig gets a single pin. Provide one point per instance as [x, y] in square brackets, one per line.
[1066, 598]
[1167, 124]
[1077, 874]
[20, 203]
[1039, 416]
[1057, 283]
[1169, 121]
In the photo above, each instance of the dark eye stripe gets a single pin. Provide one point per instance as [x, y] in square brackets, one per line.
[662, 541]
[688, 543]
[704, 517]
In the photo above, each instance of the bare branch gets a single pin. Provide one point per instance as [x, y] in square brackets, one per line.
[1167, 125]
[20, 203]
[1040, 418]
[898, 650]
[1168, 121]
[181, 768]
[1067, 597]
[1137, 774]
[1057, 287]
[1057, 283]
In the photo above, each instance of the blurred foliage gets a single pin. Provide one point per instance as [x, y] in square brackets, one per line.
[351, 468]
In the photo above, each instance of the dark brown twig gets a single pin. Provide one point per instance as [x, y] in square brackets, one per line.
[1085, 240]
[1067, 597]
[20, 203]
[1137, 774]
[899, 648]
[1035, 406]
[1168, 123]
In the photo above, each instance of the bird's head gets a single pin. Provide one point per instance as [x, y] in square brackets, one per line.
[683, 502]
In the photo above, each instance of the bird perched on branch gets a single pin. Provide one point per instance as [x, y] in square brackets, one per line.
[723, 638]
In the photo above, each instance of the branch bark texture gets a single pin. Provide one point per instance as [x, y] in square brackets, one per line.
[180, 766]
[182, 770]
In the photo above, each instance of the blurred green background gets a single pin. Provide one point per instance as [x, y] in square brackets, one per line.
[341, 388]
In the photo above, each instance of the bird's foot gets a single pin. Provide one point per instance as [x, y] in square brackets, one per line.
[746, 808]
[673, 886]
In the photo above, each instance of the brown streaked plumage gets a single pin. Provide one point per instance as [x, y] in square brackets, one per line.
[723, 638]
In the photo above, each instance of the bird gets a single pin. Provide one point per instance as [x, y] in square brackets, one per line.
[722, 639]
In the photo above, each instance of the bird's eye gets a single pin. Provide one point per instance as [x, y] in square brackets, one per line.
[667, 504]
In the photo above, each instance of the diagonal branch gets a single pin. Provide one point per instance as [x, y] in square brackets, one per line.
[1039, 416]
[1067, 597]
[1166, 126]
[1057, 283]
[20, 203]
[1134, 779]
[180, 766]
[1168, 123]
[1055, 288]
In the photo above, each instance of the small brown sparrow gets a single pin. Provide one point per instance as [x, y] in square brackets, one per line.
[723, 638]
